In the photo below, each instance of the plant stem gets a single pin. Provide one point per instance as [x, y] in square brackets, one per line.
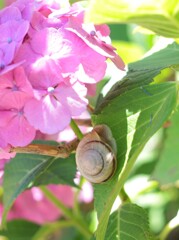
[168, 228]
[83, 122]
[49, 228]
[78, 223]
[76, 202]
[63, 150]
[41, 149]
[124, 196]
[76, 129]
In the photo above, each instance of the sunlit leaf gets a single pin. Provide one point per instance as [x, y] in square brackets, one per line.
[128, 222]
[132, 80]
[143, 72]
[162, 16]
[133, 117]
[167, 57]
[167, 168]
[27, 170]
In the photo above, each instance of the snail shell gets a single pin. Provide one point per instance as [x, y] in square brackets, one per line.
[96, 155]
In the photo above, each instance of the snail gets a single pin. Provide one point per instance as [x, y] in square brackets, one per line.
[96, 155]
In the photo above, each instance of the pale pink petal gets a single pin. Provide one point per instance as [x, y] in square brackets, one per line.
[26, 55]
[4, 69]
[86, 194]
[103, 29]
[47, 115]
[10, 13]
[45, 73]
[91, 89]
[14, 83]
[49, 41]
[19, 132]
[5, 155]
[26, 8]
[3, 144]
[13, 33]
[71, 99]
[5, 117]
[96, 44]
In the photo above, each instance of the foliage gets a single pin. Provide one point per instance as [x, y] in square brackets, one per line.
[140, 106]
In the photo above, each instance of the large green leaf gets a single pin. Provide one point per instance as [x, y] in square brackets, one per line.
[61, 171]
[30, 169]
[142, 72]
[20, 230]
[132, 80]
[160, 16]
[128, 222]
[167, 57]
[133, 117]
[167, 169]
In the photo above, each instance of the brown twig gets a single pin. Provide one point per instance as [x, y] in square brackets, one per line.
[62, 150]
[83, 122]
[90, 108]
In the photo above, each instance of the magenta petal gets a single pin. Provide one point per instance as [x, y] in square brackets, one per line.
[47, 115]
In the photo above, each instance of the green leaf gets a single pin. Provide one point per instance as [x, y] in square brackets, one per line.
[61, 171]
[27, 170]
[162, 16]
[167, 168]
[167, 57]
[142, 72]
[1, 4]
[128, 222]
[132, 80]
[20, 230]
[133, 118]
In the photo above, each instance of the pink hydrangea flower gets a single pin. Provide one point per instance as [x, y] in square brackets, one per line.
[60, 59]
[13, 28]
[32, 205]
[14, 84]
[93, 38]
[14, 125]
[26, 8]
[86, 193]
[12, 34]
[5, 155]
[51, 112]
[15, 91]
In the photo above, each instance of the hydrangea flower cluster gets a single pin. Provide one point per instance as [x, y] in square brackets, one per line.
[49, 60]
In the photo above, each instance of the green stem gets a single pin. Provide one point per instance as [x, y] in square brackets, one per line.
[76, 129]
[124, 196]
[76, 202]
[169, 227]
[49, 228]
[78, 223]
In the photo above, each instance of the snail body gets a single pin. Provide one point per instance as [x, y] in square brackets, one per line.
[96, 155]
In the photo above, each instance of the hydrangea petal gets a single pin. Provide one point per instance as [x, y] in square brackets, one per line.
[19, 132]
[47, 115]
[95, 43]
[36, 200]
[70, 99]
